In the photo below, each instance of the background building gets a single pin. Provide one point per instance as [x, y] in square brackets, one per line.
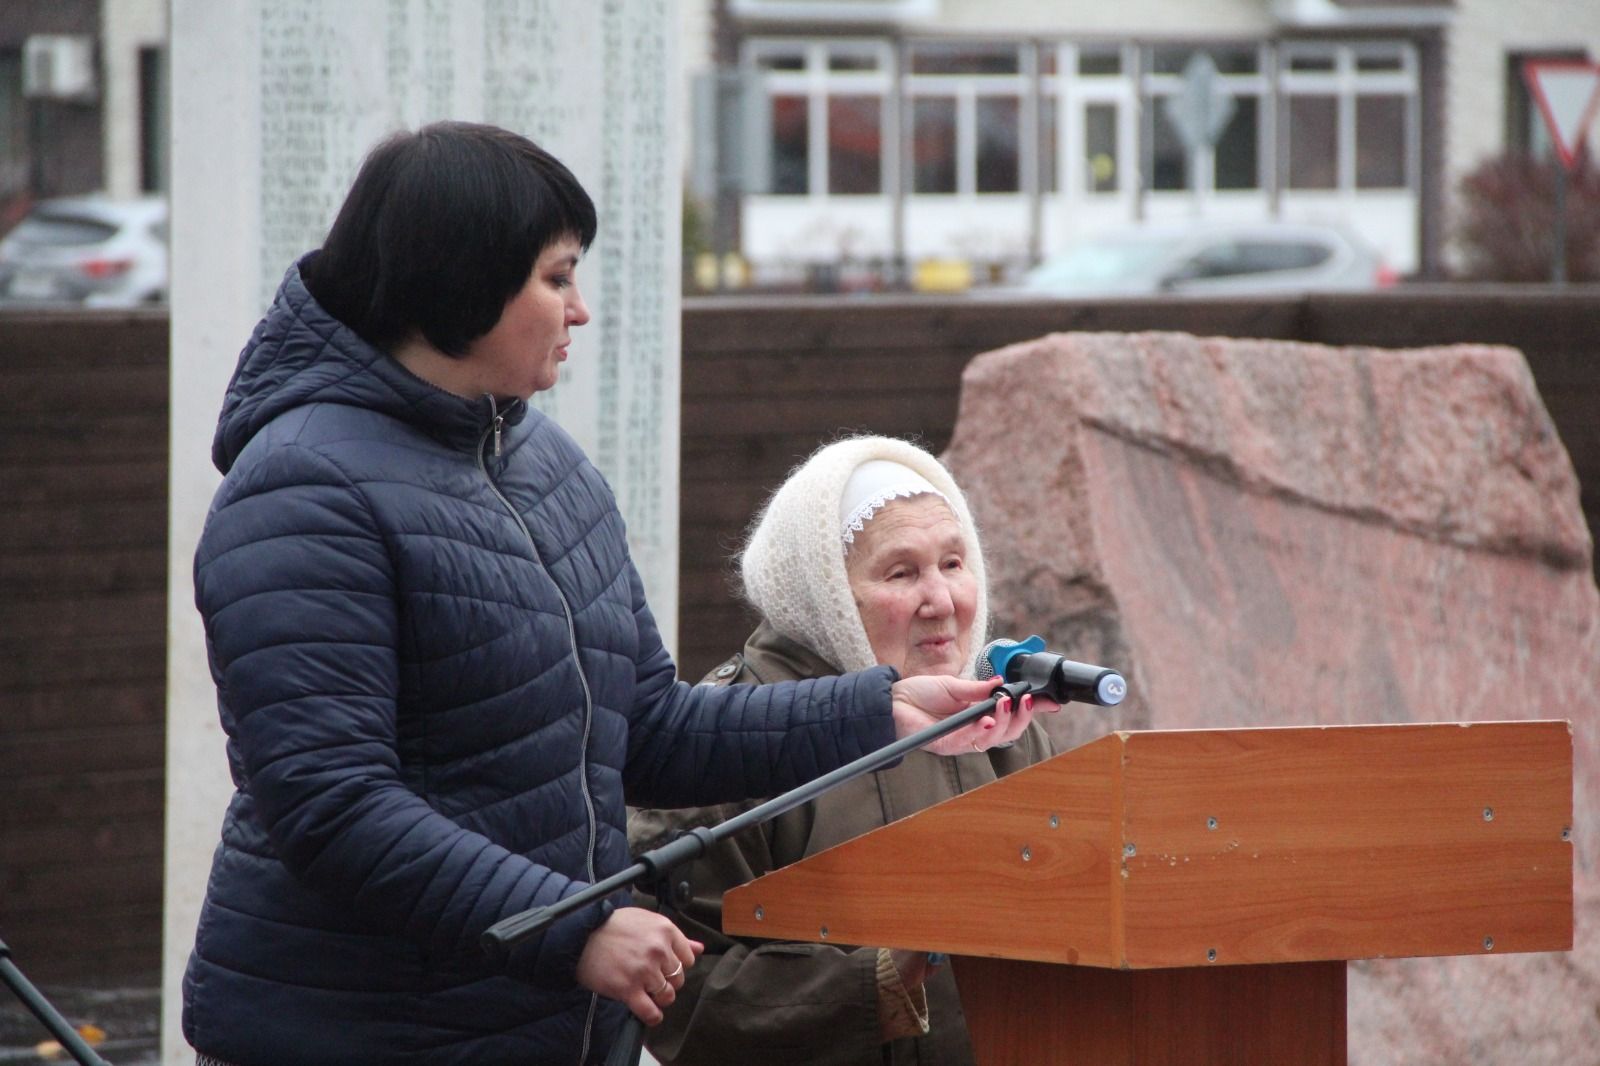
[874, 134]
[82, 100]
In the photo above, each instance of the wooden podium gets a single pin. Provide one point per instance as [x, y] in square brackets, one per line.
[1191, 897]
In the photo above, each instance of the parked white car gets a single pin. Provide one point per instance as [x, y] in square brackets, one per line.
[86, 251]
[1210, 259]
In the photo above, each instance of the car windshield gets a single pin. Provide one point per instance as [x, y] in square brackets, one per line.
[1104, 261]
[61, 229]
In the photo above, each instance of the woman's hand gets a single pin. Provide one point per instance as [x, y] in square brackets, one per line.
[921, 701]
[638, 957]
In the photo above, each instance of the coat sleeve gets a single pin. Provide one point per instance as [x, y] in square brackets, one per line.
[695, 745]
[297, 589]
[768, 1002]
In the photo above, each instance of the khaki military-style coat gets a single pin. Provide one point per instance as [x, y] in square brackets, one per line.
[772, 1003]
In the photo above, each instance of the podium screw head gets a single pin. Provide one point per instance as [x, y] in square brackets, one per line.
[761, 914]
[1211, 824]
[1055, 821]
[1129, 851]
[1211, 954]
[1488, 943]
[824, 932]
[1027, 855]
[1566, 832]
[1488, 814]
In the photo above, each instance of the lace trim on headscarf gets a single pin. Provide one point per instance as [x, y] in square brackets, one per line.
[858, 518]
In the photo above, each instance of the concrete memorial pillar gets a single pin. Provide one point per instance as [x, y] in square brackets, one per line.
[275, 103]
[1265, 533]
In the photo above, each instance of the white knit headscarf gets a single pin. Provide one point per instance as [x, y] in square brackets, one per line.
[793, 564]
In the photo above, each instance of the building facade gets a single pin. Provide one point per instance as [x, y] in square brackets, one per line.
[880, 133]
[82, 100]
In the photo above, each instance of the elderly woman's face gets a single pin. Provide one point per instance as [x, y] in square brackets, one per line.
[908, 574]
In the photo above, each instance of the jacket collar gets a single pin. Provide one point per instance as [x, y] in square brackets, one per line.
[301, 354]
[771, 656]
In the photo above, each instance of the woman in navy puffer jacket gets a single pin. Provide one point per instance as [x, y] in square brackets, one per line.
[434, 663]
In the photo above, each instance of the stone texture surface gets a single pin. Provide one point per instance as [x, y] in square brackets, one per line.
[1267, 533]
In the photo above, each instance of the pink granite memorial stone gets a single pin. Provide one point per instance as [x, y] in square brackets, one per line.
[1267, 533]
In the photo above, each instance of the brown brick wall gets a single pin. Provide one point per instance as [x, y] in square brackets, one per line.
[83, 571]
[83, 484]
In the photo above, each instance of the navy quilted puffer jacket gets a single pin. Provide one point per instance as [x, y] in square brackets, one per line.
[438, 677]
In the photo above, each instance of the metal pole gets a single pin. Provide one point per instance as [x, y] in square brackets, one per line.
[658, 863]
[499, 938]
[904, 166]
[1558, 259]
[728, 197]
[36, 148]
[1036, 189]
[1144, 109]
[48, 1016]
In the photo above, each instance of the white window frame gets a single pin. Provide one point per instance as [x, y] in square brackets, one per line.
[1345, 83]
[966, 88]
[1203, 165]
[814, 11]
[1073, 92]
[816, 82]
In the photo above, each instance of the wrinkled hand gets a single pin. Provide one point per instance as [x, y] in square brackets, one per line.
[629, 957]
[921, 701]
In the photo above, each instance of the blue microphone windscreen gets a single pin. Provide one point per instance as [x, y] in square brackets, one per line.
[1000, 652]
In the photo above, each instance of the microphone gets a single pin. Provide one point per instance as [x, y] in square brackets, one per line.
[1062, 680]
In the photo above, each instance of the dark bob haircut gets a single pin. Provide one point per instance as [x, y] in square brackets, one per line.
[440, 229]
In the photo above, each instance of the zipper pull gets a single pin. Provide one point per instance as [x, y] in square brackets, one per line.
[496, 420]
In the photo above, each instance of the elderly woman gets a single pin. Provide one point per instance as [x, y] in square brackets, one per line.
[867, 554]
[435, 666]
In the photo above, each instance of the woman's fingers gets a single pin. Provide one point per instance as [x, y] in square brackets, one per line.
[1014, 718]
[921, 701]
[640, 958]
[663, 995]
[644, 1008]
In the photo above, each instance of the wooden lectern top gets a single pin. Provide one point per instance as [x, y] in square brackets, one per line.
[1223, 846]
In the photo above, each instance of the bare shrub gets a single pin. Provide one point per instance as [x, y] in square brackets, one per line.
[1507, 223]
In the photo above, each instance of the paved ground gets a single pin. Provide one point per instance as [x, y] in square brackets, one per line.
[128, 1013]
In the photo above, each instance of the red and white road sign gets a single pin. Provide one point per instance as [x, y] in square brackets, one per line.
[1568, 94]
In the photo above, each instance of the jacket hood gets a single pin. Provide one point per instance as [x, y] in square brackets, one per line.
[300, 354]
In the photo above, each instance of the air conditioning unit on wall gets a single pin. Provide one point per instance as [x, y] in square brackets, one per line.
[58, 67]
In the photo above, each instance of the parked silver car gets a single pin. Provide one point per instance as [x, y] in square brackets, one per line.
[1211, 259]
[87, 251]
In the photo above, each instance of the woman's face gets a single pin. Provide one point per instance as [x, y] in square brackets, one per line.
[524, 351]
[908, 574]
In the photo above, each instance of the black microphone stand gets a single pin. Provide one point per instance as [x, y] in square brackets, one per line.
[654, 867]
[52, 1020]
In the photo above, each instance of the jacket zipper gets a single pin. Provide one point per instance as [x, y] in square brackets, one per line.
[496, 424]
